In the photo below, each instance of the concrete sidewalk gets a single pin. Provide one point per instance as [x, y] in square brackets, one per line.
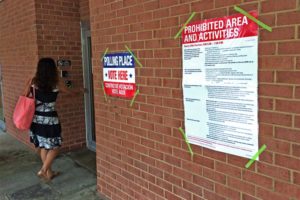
[18, 179]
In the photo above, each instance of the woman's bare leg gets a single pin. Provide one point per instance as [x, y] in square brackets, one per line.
[50, 156]
[43, 154]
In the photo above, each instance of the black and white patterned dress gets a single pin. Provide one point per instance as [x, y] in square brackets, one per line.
[45, 130]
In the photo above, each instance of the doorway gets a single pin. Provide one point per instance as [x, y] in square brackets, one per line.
[88, 85]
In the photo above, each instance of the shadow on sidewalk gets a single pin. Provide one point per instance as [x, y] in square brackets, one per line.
[18, 179]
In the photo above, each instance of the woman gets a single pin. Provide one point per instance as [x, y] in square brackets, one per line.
[45, 130]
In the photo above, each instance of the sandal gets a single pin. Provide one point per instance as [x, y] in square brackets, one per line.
[43, 175]
[52, 174]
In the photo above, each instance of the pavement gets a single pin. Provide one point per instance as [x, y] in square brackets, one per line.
[19, 165]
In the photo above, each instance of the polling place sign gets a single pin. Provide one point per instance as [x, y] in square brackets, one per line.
[119, 75]
[220, 84]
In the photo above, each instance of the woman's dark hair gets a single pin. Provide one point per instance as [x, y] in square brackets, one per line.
[46, 76]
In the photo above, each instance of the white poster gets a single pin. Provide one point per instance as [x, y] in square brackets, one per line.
[220, 84]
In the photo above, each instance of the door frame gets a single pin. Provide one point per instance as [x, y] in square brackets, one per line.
[88, 85]
[2, 122]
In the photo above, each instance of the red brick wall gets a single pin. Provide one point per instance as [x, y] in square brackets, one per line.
[18, 54]
[140, 152]
[58, 31]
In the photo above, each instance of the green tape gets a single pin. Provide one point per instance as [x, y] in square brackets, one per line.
[261, 24]
[104, 53]
[104, 92]
[133, 99]
[186, 141]
[255, 156]
[135, 58]
[189, 19]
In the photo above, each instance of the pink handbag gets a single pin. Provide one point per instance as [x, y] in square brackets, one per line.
[24, 112]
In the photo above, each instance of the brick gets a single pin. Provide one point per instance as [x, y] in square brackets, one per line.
[163, 53]
[247, 7]
[164, 92]
[200, 6]
[298, 58]
[287, 134]
[275, 91]
[241, 186]
[164, 184]
[163, 111]
[214, 154]
[296, 150]
[205, 183]
[272, 171]
[154, 100]
[180, 9]
[220, 3]
[162, 33]
[282, 33]
[277, 5]
[276, 145]
[296, 179]
[285, 48]
[161, 13]
[288, 18]
[286, 161]
[229, 170]
[151, 5]
[292, 191]
[266, 76]
[275, 118]
[172, 103]
[288, 77]
[172, 179]
[144, 35]
[203, 161]
[170, 195]
[266, 103]
[182, 192]
[168, 3]
[212, 195]
[170, 42]
[297, 92]
[194, 188]
[297, 121]
[164, 149]
[137, 9]
[248, 197]
[288, 106]
[267, 157]
[215, 176]
[276, 62]
[266, 194]
[122, 12]
[269, 19]
[236, 161]
[192, 167]
[258, 179]
[215, 13]
[155, 118]
[268, 48]
[227, 192]
[183, 174]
